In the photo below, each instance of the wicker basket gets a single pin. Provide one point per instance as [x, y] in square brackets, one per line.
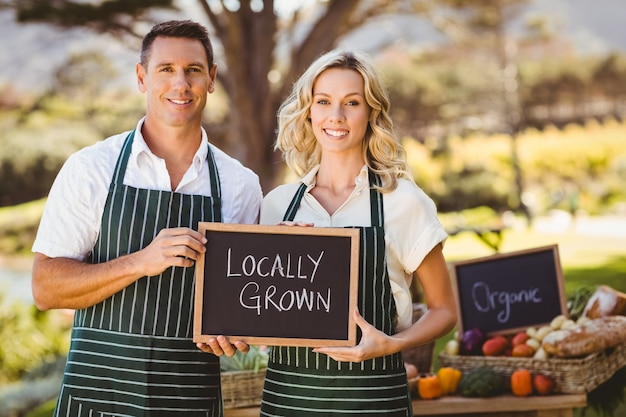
[571, 376]
[420, 356]
[242, 388]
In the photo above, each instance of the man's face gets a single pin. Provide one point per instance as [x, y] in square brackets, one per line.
[176, 80]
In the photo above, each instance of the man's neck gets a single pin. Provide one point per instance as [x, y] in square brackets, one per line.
[176, 146]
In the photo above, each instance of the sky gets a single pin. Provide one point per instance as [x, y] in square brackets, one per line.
[29, 54]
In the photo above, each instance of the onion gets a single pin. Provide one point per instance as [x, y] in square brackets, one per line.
[471, 342]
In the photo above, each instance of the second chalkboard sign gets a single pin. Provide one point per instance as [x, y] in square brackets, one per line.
[277, 285]
[508, 292]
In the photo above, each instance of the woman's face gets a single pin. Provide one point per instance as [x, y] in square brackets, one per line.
[339, 112]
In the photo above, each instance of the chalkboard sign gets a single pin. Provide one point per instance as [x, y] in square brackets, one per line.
[509, 292]
[277, 285]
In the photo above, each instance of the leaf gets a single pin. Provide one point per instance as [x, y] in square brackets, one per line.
[254, 360]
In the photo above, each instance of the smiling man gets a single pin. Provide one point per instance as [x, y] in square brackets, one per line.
[118, 243]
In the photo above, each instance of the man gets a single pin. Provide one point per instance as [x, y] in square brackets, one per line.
[118, 243]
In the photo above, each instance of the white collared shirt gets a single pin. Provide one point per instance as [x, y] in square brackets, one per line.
[71, 220]
[412, 228]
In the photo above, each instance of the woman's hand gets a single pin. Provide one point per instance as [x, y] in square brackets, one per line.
[299, 223]
[373, 344]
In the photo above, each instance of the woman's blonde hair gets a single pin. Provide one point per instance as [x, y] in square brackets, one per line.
[382, 151]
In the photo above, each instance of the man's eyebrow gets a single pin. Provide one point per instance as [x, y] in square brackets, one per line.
[192, 64]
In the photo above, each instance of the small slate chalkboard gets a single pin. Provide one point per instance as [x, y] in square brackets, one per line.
[509, 292]
[277, 285]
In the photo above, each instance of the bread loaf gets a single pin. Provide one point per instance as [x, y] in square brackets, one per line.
[605, 301]
[593, 336]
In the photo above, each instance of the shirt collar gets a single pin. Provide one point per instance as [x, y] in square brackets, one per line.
[361, 181]
[141, 147]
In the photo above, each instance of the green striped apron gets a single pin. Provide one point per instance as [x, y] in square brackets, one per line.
[302, 383]
[133, 354]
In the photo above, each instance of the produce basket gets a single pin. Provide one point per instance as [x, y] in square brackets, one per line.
[242, 388]
[571, 376]
[420, 356]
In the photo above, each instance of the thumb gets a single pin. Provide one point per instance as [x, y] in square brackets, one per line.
[358, 318]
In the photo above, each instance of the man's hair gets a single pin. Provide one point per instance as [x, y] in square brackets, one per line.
[177, 29]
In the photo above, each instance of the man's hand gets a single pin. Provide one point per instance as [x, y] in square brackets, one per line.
[172, 247]
[220, 345]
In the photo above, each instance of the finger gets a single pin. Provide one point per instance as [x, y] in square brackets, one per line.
[286, 223]
[359, 320]
[242, 346]
[204, 347]
[184, 231]
[226, 346]
[183, 237]
[186, 252]
[215, 347]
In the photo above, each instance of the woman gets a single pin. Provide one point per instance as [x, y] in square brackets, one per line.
[335, 132]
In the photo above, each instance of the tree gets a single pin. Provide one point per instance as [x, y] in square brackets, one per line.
[482, 26]
[256, 78]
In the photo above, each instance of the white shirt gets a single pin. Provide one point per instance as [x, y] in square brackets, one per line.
[412, 228]
[71, 220]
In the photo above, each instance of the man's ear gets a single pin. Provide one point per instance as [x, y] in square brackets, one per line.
[212, 76]
[140, 71]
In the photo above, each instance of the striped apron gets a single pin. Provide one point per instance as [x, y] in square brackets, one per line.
[133, 354]
[300, 382]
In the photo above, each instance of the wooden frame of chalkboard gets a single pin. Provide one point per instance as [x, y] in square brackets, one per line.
[509, 292]
[277, 285]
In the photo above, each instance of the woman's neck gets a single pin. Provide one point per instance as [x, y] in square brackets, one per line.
[335, 183]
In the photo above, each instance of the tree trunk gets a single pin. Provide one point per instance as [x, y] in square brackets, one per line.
[248, 41]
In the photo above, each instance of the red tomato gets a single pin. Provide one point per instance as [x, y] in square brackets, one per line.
[543, 384]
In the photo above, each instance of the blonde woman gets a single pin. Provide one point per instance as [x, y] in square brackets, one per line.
[336, 134]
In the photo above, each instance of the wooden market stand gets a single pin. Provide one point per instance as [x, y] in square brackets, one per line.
[500, 406]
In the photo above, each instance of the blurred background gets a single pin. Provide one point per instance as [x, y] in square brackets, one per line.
[512, 113]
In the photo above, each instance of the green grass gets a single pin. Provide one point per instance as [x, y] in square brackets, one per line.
[44, 410]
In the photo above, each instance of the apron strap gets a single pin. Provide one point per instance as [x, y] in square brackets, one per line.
[376, 202]
[122, 160]
[290, 214]
[122, 163]
[214, 175]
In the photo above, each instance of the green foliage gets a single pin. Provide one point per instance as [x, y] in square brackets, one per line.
[43, 131]
[44, 410]
[100, 15]
[254, 360]
[18, 227]
[575, 168]
[608, 398]
[30, 338]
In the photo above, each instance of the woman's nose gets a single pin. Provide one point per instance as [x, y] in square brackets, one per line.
[337, 114]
